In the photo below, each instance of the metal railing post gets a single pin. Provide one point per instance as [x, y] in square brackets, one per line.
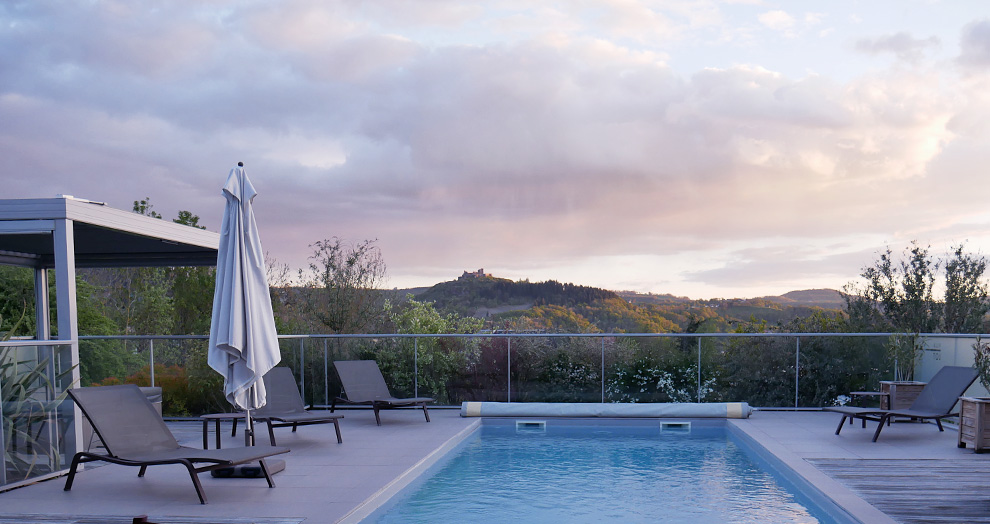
[603, 370]
[508, 370]
[416, 367]
[302, 368]
[326, 373]
[151, 347]
[797, 370]
[699, 369]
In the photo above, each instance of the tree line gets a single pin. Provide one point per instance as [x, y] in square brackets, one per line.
[341, 292]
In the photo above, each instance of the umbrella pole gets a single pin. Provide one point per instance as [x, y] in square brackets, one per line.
[249, 430]
[249, 426]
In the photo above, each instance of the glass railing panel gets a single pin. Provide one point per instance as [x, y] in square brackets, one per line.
[36, 418]
[756, 368]
[484, 378]
[832, 367]
[180, 367]
[648, 369]
[556, 369]
[106, 361]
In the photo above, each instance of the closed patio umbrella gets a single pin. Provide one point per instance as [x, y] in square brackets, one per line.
[243, 341]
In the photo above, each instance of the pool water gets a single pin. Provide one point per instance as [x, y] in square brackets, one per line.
[595, 473]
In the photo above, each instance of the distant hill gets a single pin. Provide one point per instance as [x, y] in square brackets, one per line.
[468, 295]
[553, 306]
[414, 291]
[635, 297]
[824, 298]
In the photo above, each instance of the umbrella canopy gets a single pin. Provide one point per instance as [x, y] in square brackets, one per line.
[243, 341]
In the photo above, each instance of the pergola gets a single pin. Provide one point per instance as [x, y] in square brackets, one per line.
[64, 233]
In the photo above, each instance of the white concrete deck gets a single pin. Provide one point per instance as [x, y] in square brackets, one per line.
[322, 482]
[325, 481]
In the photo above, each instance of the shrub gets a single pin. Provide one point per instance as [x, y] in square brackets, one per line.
[178, 398]
[646, 380]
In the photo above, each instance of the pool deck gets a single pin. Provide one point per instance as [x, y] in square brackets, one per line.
[913, 474]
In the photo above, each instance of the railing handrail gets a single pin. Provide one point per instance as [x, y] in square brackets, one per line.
[16, 342]
[542, 335]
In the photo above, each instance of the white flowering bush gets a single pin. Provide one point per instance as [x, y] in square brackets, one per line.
[565, 378]
[647, 381]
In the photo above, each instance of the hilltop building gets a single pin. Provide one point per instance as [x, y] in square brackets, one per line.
[475, 274]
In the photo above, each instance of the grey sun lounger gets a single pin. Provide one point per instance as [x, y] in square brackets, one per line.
[134, 434]
[284, 406]
[363, 383]
[933, 403]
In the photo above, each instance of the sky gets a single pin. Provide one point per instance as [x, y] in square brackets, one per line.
[700, 148]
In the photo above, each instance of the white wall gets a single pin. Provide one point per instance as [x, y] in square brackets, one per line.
[948, 352]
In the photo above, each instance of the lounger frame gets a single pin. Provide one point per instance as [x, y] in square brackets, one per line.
[935, 401]
[159, 447]
[364, 384]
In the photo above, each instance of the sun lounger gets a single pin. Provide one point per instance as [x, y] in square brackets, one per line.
[134, 434]
[363, 383]
[284, 406]
[933, 403]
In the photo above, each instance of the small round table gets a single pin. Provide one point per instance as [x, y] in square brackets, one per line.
[217, 417]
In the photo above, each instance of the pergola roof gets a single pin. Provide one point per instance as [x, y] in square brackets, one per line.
[104, 236]
[65, 233]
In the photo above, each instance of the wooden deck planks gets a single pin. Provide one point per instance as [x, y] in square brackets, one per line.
[918, 491]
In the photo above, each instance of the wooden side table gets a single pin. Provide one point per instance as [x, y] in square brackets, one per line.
[884, 399]
[902, 393]
[974, 423]
[884, 396]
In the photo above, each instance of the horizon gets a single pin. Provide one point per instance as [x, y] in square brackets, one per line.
[704, 149]
[618, 291]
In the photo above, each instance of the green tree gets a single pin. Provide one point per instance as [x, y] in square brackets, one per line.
[343, 288]
[900, 297]
[192, 299]
[966, 302]
[439, 361]
[98, 358]
[17, 300]
[897, 297]
[144, 207]
[142, 301]
[192, 290]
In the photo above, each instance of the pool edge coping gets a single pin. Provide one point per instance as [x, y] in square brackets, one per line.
[836, 492]
[829, 488]
[396, 485]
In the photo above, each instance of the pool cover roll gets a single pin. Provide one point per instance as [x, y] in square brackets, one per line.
[553, 409]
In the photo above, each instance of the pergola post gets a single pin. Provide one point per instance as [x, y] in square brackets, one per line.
[68, 323]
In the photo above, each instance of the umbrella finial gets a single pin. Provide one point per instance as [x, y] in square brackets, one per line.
[240, 164]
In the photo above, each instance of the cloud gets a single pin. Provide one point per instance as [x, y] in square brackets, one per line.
[785, 265]
[777, 20]
[553, 144]
[975, 45]
[902, 45]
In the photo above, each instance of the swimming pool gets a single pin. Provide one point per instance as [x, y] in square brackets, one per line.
[604, 471]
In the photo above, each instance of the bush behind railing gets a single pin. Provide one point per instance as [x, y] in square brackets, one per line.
[756, 369]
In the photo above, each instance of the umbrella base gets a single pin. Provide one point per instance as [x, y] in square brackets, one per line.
[249, 470]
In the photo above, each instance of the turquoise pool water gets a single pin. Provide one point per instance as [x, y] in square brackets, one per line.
[574, 473]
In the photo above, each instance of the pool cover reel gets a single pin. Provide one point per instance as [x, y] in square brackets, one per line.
[553, 409]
